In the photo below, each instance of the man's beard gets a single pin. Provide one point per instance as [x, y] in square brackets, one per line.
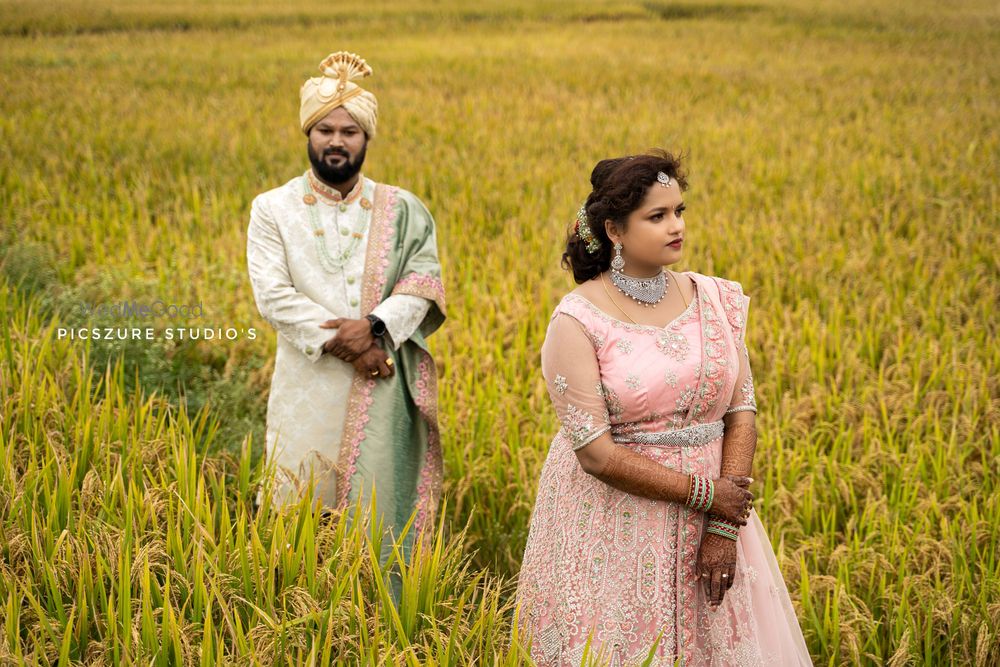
[335, 174]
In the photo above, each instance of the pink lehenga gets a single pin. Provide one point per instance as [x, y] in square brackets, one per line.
[619, 568]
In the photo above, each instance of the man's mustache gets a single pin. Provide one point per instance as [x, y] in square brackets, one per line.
[333, 151]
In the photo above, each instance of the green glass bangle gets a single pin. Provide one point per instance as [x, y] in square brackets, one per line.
[723, 528]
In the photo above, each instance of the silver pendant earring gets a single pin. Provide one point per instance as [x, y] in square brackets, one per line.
[618, 263]
[644, 291]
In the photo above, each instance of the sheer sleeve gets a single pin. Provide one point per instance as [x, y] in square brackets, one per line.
[737, 307]
[743, 396]
[573, 379]
[739, 444]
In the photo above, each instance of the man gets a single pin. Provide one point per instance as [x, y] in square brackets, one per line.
[347, 272]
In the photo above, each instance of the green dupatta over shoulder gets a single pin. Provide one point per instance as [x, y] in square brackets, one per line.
[391, 439]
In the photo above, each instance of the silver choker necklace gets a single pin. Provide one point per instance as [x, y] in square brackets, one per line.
[647, 291]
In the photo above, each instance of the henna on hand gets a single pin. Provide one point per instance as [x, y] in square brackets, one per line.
[716, 556]
[732, 500]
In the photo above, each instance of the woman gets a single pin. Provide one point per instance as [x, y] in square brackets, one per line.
[643, 536]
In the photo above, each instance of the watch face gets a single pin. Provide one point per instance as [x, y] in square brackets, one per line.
[378, 326]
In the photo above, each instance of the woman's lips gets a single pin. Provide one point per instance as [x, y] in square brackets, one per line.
[676, 244]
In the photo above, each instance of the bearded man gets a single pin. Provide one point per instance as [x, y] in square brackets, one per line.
[346, 270]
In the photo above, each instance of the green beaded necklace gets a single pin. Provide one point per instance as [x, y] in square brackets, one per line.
[332, 263]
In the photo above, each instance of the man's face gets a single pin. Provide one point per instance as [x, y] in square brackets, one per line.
[337, 147]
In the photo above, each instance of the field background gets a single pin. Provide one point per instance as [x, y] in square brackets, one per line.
[843, 161]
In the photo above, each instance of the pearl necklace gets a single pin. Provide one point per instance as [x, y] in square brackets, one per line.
[334, 263]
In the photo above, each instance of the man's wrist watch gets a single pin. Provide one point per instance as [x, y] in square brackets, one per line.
[378, 326]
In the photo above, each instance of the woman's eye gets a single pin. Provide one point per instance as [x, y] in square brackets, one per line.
[658, 216]
[680, 212]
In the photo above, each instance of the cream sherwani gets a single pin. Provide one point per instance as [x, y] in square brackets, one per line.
[295, 294]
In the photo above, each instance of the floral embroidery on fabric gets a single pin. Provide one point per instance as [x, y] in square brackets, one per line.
[684, 399]
[597, 339]
[612, 400]
[670, 377]
[432, 474]
[560, 384]
[674, 345]
[379, 247]
[734, 301]
[579, 425]
[426, 286]
[624, 346]
[713, 370]
[748, 393]
[360, 400]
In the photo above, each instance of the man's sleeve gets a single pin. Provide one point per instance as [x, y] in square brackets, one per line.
[294, 315]
[420, 276]
[402, 314]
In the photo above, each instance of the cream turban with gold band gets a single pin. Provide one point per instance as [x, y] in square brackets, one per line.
[322, 94]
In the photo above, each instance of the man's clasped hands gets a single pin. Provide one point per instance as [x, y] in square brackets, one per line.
[357, 345]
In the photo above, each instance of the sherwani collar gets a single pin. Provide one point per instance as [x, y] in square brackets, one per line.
[332, 195]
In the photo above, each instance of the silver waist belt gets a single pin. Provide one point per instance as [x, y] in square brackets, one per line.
[689, 436]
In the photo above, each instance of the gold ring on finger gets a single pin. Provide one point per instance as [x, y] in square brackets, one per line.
[388, 362]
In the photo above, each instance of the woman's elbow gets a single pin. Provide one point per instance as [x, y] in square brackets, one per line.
[591, 459]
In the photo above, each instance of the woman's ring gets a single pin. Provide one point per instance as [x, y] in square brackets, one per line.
[725, 575]
[388, 362]
[374, 372]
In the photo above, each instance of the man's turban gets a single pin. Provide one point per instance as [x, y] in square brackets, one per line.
[322, 94]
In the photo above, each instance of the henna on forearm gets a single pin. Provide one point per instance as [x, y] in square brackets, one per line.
[634, 473]
[739, 444]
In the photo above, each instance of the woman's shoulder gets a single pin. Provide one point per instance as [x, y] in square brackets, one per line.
[576, 305]
[725, 285]
[735, 301]
[572, 317]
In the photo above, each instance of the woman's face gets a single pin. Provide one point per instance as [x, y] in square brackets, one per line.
[652, 235]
